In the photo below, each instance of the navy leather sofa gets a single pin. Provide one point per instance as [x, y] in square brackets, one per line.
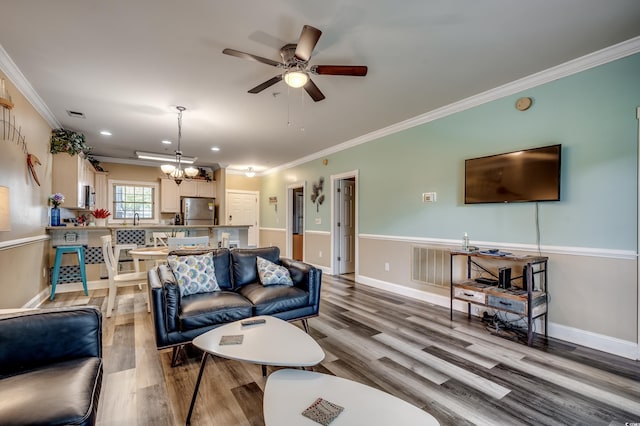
[50, 366]
[178, 320]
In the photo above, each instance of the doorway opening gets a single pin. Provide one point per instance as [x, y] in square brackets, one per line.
[344, 224]
[295, 221]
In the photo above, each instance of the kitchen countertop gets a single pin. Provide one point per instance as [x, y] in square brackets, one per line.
[143, 226]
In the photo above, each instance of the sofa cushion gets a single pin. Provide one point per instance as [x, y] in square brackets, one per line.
[243, 262]
[64, 393]
[194, 273]
[270, 273]
[206, 309]
[272, 299]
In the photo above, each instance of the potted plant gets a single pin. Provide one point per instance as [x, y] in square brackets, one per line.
[101, 216]
[73, 143]
[55, 200]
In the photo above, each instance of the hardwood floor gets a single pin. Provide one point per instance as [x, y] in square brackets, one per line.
[457, 371]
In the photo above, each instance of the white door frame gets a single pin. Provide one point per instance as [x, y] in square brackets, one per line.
[289, 213]
[226, 208]
[638, 242]
[334, 221]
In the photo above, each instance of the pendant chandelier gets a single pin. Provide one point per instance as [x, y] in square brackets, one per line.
[176, 172]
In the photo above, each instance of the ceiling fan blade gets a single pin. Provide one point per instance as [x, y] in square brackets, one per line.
[354, 70]
[307, 42]
[313, 91]
[260, 87]
[250, 57]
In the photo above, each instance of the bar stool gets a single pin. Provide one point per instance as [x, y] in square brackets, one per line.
[60, 250]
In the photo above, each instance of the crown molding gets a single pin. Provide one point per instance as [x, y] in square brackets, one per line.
[13, 73]
[574, 66]
[591, 60]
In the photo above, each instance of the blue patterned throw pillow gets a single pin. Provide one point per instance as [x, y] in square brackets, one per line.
[194, 274]
[270, 273]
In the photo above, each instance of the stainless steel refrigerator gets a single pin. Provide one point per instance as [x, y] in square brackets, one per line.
[198, 211]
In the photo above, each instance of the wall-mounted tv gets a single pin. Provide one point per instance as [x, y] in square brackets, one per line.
[519, 176]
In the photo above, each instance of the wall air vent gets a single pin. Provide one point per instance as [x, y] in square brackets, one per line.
[75, 114]
[431, 265]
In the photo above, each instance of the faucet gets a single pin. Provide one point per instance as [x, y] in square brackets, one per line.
[136, 219]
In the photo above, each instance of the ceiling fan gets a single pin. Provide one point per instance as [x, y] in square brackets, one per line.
[295, 63]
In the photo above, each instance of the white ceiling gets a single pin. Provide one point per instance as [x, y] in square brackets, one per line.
[126, 65]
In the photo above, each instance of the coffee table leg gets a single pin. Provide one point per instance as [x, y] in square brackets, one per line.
[195, 391]
[264, 370]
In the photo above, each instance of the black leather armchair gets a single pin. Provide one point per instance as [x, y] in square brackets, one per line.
[50, 366]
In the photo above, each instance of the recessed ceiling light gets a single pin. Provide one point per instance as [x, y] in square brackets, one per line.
[105, 133]
[166, 142]
[215, 148]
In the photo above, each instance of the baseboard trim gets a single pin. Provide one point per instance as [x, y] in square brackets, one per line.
[325, 269]
[43, 295]
[585, 338]
[596, 341]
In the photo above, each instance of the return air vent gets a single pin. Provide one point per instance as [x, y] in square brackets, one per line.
[76, 114]
[431, 265]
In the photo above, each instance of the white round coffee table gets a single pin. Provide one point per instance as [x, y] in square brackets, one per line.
[289, 392]
[274, 342]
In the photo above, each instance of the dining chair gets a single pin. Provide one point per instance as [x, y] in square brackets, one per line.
[118, 248]
[176, 243]
[160, 238]
[225, 237]
[119, 280]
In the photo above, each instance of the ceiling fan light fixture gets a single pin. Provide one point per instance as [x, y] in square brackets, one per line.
[296, 78]
[250, 172]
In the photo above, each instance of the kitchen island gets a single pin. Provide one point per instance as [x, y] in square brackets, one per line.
[140, 235]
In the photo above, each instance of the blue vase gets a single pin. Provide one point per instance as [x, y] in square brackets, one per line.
[55, 216]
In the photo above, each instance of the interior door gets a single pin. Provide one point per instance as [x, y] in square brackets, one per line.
[346, 226]
[298, 224]
[242, 209]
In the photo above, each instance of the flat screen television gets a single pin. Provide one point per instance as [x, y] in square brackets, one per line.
[512, 177]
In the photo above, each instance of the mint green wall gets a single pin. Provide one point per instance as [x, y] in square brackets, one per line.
[592, 114]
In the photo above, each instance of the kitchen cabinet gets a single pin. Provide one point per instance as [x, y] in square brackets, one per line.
[101, 189]
[170, 193]
[70, 175]
[198, 188]
[169, 196]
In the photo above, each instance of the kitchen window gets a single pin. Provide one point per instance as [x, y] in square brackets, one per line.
[130, 198]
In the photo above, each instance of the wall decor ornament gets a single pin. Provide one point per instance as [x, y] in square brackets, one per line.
[5, 98]
[317, 197]
[32, 161]
[11, 132]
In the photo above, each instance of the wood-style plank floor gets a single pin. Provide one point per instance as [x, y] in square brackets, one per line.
[458, 371]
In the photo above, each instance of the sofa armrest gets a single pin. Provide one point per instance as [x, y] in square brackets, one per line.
[164, 296]
[306, 277]
[39, 337]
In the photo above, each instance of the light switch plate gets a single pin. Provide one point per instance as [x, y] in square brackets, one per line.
[428, 197]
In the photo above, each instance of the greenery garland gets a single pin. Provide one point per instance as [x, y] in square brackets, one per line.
[68, 141]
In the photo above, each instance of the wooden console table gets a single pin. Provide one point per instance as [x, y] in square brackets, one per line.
[530, 299]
